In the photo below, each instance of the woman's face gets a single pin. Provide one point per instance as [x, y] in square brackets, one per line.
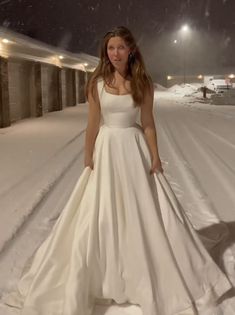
[118, 52]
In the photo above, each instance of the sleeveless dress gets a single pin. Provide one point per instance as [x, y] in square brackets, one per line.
[122, 236]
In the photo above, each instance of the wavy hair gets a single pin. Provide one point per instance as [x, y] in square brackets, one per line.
[140, 81]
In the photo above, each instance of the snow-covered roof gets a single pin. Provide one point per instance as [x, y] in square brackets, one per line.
[13, 44]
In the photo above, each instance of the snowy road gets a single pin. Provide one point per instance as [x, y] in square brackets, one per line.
[42, 159]
[198, 141]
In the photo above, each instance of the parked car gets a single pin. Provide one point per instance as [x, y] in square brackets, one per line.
[219, 85]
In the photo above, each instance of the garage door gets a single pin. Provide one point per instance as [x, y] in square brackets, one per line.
[19, 89]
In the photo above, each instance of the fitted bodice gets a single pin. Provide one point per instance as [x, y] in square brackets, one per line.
[117, 110]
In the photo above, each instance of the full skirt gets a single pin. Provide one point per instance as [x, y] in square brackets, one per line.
[123, 236]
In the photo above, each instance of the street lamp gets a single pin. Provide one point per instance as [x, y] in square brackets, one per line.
[184, 30]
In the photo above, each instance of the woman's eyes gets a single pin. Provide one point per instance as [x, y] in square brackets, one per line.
[111, 47]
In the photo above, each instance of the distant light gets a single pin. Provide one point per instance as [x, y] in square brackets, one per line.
[85, 64]
[61, 57]
[175, 41]
[199, 76]
[5, 41]
[169, 77]
[231, 76]
[185, 28]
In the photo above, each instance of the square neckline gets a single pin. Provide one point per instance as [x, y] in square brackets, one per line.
[127, 94]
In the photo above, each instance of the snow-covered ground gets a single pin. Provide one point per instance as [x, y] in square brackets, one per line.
[42, 158]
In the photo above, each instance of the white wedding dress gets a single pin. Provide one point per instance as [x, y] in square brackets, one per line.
[122, 235]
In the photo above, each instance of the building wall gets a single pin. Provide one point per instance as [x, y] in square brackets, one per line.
[64, 92]
[70, 87]
[36, 88]
[82, 78]
[4, 94]
[47, 86]
[77, 86]
[19, 74]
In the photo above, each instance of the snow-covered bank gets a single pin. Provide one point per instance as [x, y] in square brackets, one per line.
[35, 154]
[196, 144]
[184, 90]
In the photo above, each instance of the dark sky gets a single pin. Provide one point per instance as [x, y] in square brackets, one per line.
[78, 25]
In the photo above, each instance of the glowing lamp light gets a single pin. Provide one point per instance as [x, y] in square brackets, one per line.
[199, 76]
[5, 41]
[169, 77]
[231, 76]
[61, 57]
[85, 64]
[185, 28]
[175, 41]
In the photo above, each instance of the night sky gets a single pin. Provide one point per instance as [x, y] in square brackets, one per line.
[79, 25]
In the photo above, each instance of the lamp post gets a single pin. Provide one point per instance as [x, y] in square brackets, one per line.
[184, 30]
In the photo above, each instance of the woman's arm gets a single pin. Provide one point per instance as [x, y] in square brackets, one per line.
[93, 125]
[148, 125]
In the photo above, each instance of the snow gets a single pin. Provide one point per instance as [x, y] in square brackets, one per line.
[185, 89]
[37, 153]
[201, 148]
[29, 48]
[41, 160]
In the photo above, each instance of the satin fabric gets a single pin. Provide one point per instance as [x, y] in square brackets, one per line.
[123, 235]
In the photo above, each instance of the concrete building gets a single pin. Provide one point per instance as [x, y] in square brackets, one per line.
[36, 78]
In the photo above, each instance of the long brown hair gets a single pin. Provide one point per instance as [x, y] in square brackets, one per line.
[140, 80]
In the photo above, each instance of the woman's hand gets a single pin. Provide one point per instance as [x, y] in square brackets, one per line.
[88, 162]
[156, 166]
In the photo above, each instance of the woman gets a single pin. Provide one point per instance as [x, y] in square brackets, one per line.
[122, 235]
[123, 70]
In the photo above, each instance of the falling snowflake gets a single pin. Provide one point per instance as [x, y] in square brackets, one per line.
[227, 41]
[207, 13]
